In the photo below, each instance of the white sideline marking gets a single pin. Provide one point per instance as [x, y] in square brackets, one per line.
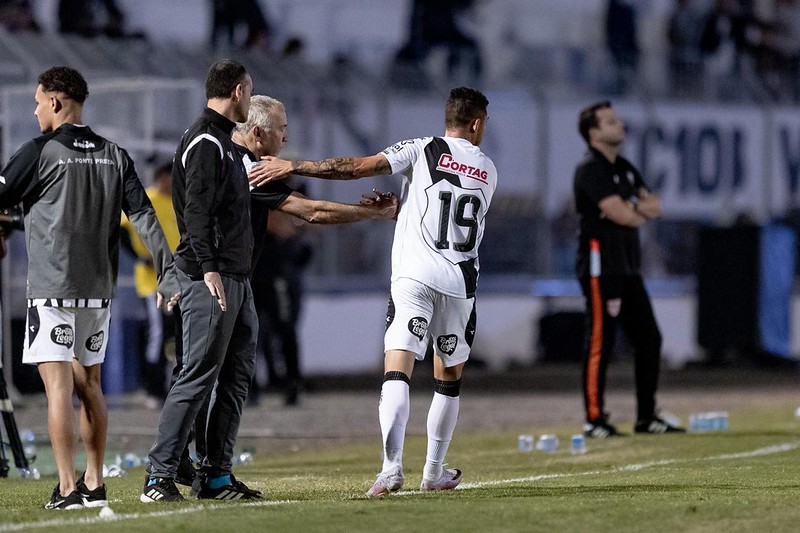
[768, 450]
[133, 516]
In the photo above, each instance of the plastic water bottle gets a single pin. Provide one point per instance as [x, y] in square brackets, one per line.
[547, 443]
[26, 435]
[30, 452]
[29, 473]
[578, 445]
[244, 458]
[711, 421]
[113, 471]
[525, 443]
[698, 422]
[28, 438]
[719, 420]
[131, 460]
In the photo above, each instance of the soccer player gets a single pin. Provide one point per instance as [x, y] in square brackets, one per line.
[612, 201]
[447, 188]
[73, 185]
[212, 204]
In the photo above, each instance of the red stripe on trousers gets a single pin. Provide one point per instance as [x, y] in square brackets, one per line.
[595, 350]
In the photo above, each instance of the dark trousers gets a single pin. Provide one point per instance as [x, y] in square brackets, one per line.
[639, 325]
[277, 300]
[218, 361]
[197, 432]
[160, 333]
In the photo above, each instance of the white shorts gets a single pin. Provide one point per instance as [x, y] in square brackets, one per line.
[66, 333]
[417, 314]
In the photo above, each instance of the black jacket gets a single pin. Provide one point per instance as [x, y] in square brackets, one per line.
[212, 201]
[597, 178]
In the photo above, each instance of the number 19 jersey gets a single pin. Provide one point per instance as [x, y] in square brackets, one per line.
[447, 188]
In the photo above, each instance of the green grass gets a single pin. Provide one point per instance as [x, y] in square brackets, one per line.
[694, 482]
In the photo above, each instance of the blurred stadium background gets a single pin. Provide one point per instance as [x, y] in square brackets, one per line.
[711, 111]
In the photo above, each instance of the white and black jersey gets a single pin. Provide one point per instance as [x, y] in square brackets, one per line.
[448, 186]
[72, 184]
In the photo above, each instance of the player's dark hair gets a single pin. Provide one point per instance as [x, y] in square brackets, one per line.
[64, 80]
[588, 118]
[223, 77]
[463, 106]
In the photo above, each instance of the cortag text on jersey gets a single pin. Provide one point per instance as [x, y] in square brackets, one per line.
[448, 164]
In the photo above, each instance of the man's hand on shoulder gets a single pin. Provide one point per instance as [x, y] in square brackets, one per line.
[269, 169]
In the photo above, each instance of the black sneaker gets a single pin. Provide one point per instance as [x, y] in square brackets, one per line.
[186, 471]
[70, 502]
[160, 489]
[600, 430]
[91, 498]
[656, 426]
[236, 490]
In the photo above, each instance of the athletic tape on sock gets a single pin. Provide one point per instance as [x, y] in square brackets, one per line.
[396, 375]
[447, 388]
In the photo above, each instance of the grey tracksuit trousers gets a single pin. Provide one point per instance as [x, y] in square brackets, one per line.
[218, 348]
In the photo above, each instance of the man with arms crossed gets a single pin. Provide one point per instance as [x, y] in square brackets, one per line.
[73, 184]
[447, 187]
[612, 202]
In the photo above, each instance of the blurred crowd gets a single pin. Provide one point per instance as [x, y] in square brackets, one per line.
[235, 23]
[87, 18]
[716, 49]
[753, 44]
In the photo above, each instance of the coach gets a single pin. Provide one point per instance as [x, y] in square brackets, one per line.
[612, 202]
[212, 204]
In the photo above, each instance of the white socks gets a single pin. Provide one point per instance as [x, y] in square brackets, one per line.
[393, 415]
[442, 418]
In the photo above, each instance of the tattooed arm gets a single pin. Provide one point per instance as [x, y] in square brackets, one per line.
[338, 168]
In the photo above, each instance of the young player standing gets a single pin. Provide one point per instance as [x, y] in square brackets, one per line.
[447, 188]
[73, 184]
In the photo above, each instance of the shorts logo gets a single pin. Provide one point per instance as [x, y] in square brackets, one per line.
[95, 342]
[63, 334]
[418, 327]
[447, 344]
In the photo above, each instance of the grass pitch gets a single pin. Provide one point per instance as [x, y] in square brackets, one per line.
[743, 479]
